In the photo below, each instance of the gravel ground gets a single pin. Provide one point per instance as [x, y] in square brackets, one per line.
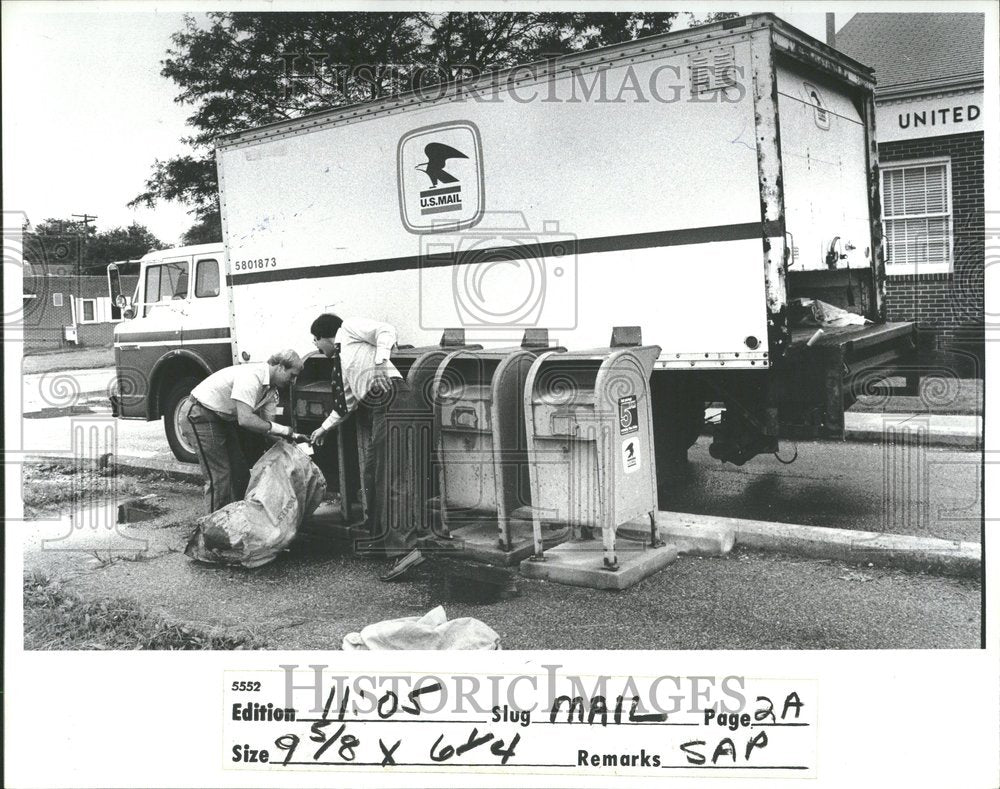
[311, 597]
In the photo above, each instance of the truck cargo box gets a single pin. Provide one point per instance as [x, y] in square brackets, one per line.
[680, 183]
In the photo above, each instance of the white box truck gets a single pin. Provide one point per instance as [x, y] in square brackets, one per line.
[691, 184]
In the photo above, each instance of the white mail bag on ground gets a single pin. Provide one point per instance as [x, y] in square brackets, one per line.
[285, 488]
[433, 630]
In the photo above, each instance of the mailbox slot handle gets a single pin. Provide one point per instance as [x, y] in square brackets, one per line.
[465, 417]
[563, 423]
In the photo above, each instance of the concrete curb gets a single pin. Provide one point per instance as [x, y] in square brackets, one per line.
[969, 443]
[958, 431]
[952, 431]
[943, 557]
[173, 470]
[953, 437]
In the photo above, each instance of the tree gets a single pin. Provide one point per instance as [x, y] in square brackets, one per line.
[712, 16]
[247, 69]
[207, 230]
[57, 245]
[66, 245]
[120, 243]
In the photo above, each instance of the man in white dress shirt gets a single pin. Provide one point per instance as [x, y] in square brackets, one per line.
[364, 376]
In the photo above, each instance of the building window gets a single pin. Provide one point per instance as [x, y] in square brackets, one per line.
[88, 310]
[916, 208]
[57, 300]
[206, 281]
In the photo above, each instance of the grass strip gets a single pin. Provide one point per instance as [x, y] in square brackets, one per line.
[55, 618]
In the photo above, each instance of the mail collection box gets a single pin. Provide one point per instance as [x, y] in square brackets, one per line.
[589, 432]
[481, 437]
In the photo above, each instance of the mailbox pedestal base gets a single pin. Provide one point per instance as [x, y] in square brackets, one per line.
[579, 563]
[478, 541]
[328, 521]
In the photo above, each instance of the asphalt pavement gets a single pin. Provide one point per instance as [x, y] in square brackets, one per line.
[59, 389]
[896, 489]
[314, 595]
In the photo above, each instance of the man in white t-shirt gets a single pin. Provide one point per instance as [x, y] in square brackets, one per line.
[246, 396]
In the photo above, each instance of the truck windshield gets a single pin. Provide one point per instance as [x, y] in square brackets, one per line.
[166, 282]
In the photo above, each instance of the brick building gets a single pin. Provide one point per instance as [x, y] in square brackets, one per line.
[63, 310]
[929, 123]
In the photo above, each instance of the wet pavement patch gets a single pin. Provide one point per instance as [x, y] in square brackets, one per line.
[144, 508]
[461, 581]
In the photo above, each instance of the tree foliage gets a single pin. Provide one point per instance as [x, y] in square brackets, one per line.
[206, 230]
[71, 245]
[711, 16]
[246, 69]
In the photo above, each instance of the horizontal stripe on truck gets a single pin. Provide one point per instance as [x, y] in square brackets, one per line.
[569, 246]
[173, 344]
[174, 335]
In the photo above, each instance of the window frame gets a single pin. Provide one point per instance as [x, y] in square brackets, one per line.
[83, 310]
[197, 278]
[147, 305]
[915, 268]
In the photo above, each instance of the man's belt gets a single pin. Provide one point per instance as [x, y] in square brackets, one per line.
[210, 411]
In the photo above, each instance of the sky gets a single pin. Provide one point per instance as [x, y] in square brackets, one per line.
[86, 112]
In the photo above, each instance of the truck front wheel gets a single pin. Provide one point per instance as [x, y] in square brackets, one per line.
[180, 443]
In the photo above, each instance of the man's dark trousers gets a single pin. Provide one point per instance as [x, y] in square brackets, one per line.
[395, 479]
[217, 443]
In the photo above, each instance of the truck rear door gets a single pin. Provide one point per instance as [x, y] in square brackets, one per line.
[824, 171]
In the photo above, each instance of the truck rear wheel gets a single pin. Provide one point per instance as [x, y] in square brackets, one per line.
[180, 444]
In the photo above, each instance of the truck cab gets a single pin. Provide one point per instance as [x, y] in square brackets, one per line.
[174, 333]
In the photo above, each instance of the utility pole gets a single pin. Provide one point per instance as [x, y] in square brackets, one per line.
[85, 220]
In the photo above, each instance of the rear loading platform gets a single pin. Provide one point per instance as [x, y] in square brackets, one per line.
[826, 370]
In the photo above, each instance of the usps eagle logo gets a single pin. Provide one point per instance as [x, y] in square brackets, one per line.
[440, 199]
[440, 177]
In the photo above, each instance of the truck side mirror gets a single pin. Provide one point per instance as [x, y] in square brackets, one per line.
[119, 299]
[115, 285]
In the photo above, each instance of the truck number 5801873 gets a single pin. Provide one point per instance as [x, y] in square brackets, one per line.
[249, 265]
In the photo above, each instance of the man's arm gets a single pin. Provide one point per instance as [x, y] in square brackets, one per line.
[334, 419]
[248, 420]
[381, 335]
[247, 392]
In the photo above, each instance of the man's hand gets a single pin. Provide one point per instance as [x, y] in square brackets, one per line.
[380, 376]
[281, 431]
[318, 436]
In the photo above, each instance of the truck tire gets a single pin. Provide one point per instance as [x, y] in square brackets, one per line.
[171, 413]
